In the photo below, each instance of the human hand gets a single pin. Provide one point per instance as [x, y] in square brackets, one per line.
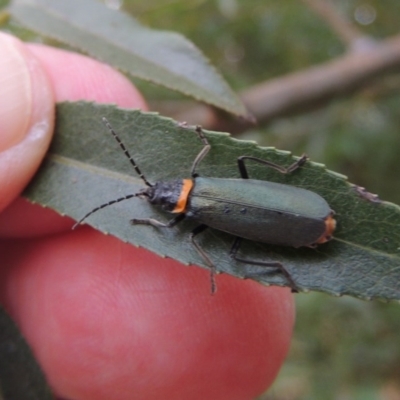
[107, 320]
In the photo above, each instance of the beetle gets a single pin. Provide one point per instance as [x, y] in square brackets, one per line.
[255, 210]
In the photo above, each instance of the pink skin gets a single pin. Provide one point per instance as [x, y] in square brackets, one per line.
[110, 321]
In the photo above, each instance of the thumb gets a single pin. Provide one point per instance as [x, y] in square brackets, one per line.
[26, 117]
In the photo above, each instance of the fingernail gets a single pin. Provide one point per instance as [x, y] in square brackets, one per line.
[26, 116]
[15, 97]
[19, 81]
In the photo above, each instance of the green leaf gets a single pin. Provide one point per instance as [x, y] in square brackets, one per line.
[85, 168]
[20, 376]
[163, 57]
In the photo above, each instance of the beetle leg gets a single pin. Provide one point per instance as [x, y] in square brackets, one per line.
[203, 151]
[213, 269]
[283, 170]
[275, 266]
[158, 224]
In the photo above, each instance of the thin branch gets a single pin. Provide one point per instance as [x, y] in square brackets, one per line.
[307, 89]
[318, 85]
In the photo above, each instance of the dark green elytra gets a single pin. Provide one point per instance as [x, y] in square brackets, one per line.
[262, 211]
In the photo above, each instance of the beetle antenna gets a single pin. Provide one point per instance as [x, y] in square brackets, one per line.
[127, 197]
[126, 152]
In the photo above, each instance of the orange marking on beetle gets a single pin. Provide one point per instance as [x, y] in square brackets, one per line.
[330, 225]
[183, 197]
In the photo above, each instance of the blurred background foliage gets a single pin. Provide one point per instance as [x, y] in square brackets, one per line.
[343, 348]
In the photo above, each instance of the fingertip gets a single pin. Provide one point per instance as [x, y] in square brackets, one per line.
[150, 322]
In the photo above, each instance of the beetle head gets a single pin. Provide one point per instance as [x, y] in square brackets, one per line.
[164, 193]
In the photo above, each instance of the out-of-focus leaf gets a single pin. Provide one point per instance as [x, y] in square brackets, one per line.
[20, 376]
[85, 168]
[163, 57]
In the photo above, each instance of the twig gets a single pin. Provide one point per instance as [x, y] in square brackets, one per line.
[308, 89]
[320, 84]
